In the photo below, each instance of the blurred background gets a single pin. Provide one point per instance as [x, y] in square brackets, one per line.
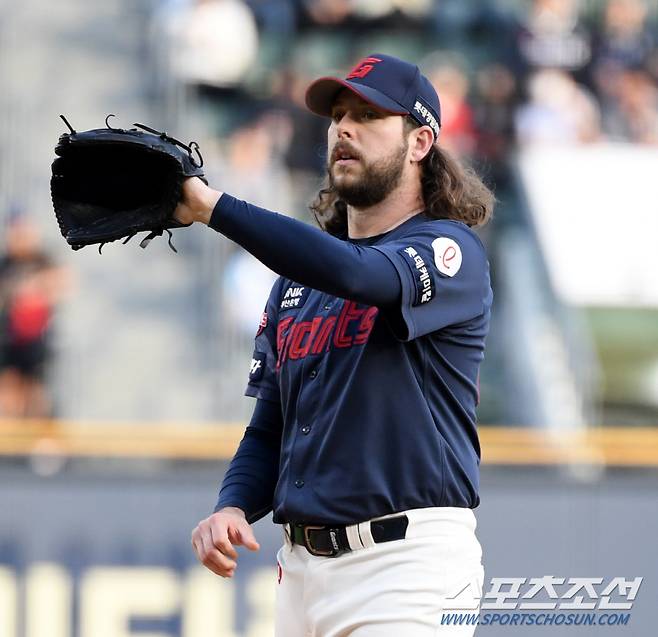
[121, 375]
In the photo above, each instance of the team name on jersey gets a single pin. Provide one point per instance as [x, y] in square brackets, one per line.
[427, 115]
[423, 279]
[294, 297]
[296, 340]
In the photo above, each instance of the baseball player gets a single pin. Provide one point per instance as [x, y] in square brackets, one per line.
[363, 439]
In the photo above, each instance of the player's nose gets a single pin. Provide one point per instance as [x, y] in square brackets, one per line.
[345, 127]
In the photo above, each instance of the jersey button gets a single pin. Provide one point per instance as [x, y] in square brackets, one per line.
[313, 374]
[299, 483]
[327, 307]
[306, 429]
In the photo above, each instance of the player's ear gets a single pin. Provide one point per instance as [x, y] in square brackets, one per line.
[420, 141]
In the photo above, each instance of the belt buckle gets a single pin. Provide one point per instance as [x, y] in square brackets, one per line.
[309, 546]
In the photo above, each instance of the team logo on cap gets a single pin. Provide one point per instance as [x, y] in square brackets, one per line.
[363, 68]
[427, 116]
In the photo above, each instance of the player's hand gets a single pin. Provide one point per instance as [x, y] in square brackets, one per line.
[197, 202]
[215, 537]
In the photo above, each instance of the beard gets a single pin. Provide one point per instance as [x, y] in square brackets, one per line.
[378, 179]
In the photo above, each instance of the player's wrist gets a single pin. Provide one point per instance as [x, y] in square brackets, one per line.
[234, 510]
[207, 205]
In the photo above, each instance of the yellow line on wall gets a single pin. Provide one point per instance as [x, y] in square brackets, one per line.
[612, 446]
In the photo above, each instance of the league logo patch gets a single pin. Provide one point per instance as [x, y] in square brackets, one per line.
[447, 256]
[294, 297]
[423, 278]
[257, 368]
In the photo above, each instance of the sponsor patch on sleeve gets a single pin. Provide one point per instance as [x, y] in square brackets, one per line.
[257, 368]
[422, 276]
[447, 256]
[294, 297]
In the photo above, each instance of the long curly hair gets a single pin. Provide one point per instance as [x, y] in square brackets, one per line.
[450, 190]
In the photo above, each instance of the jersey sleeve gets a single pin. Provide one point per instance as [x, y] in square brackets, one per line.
[263, 380]
[444, 274]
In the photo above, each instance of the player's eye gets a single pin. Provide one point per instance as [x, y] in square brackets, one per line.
[369, 114]
[337, 116]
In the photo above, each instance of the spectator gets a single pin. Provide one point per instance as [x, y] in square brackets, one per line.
[215, 43]
[254, 161]
[559, 111]
[551, 37]
[325, 13]
[254, 167]
[366, 15]
[494, 118]
[457, 126]
[625, 40]
[624, 44]
[395, 14]
[209, 46]
[631, 110]
[305, 154]
[30, 288]
[275, 16]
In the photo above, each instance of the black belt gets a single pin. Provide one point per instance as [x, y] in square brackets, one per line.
[332, 541]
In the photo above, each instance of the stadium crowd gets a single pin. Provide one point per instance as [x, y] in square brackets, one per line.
[545, 72]
[510, 74]
[552, 71]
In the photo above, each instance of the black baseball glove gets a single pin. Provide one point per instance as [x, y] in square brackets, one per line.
[110, 183]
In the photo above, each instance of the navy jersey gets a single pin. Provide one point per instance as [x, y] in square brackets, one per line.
[378, 404]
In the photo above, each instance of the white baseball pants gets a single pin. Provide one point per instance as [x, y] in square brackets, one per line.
[401, 588]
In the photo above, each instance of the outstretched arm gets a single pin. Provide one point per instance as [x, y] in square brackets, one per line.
[294, 249]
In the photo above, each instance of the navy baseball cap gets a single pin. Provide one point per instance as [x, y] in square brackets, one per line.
[386, 82]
